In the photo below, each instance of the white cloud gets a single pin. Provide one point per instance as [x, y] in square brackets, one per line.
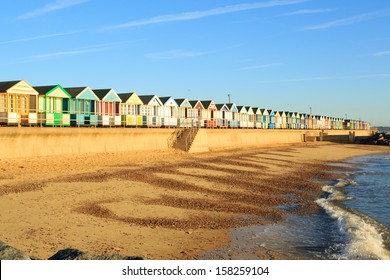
[262, 66]
[207, 13]
[349, 21]
[90, 49]
[39, 37]
[327, 78]
[174, 54]
[51, 7]
[382, 53]
[306, 12]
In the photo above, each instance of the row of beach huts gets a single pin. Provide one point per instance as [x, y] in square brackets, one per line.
[23, 104]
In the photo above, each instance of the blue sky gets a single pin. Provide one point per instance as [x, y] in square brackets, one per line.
[332, 56]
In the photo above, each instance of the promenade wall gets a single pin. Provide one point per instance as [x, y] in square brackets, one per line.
[208, 139]
[32, 141]
[42, 141]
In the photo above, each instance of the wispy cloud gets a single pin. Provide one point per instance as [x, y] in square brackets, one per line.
[39, 37]
[328, 78]
[51, 7]
[382, 53]
[349, 20]
[207, 13]
[309, 11]
[84, 50]
[262, 66]
[174, 54]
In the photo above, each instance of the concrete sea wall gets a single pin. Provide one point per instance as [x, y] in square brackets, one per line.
[234, 138]
[27, 141]
[36, 141]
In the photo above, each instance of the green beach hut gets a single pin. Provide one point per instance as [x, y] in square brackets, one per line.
[53, 105]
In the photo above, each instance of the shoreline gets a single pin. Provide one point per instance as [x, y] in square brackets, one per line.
[161, 205]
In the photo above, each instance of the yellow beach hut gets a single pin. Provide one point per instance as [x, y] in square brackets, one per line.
[18, 103]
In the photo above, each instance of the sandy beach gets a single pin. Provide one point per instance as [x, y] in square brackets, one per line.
[159, 205]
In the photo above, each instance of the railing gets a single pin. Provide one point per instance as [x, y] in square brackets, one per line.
[190, 137]
[176, 134]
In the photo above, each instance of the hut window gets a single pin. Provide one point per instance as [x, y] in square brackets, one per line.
[24, 104]
[87, 107]
[11, 104]
[58, 103]
[2, 103]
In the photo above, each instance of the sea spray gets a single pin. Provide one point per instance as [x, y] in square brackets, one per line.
[366, 235]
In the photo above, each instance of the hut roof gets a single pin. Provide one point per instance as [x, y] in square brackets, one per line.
[193, 103]
[146, 98]
[179, 100]
[44, 89]
[125, 96]
[206, 103]
[4, 86]
[101, 93]
[220, 106]
[74, 91]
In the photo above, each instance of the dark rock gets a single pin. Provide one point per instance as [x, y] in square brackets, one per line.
[10, 253]
[75, 254]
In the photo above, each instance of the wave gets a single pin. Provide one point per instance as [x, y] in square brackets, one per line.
[368, 238]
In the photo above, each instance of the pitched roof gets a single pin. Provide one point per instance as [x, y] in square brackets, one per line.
[164, 99]
[146, 98]
[220, 106]
[4, 86]
[74, 91]
[125, 96]
[44, 89]
[206, 103]
[101, 93]
[180, 101]
[193, 102]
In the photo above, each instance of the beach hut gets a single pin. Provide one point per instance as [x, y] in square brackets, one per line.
[278, 119]
[151, 110]
[272, 119]
[303, 121]
[266, 118]
[289, 120]
[130, 109]
[169, 112]
[197, 105]
[295, 120]
[18, 103]
[53, 105]
[251, 116]
[232, 115]
[332, 123]
[221, 115]
[208, 113]
[243, 119]
[187, 116]
[258, 120]
[83, 106]
[108, 109]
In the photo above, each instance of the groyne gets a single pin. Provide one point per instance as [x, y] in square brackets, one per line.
[43, 141]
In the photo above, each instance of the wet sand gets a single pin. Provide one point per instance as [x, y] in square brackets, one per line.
[162, 205]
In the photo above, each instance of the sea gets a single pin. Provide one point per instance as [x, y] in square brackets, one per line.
[353, 223]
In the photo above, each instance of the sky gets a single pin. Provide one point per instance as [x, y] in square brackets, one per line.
[328, 57]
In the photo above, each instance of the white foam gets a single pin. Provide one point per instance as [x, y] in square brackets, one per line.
[365, 241]
[341, 183]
